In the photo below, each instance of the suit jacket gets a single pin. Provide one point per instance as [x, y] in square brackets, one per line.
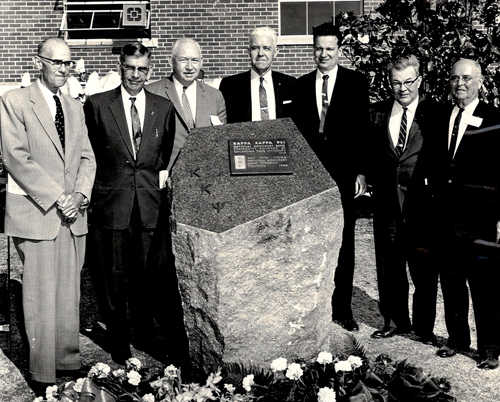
[209, 102]
[237, 94]
[36, 162]
[343, 148]
[122, 180]
[395, 179]
[467, 190]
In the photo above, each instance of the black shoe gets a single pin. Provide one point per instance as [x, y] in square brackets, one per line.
[39, 388]
[120, 356]
[349, 324]
[489, 364]
[386, 332]
[72, 374]
[446, 351]
[430, 340]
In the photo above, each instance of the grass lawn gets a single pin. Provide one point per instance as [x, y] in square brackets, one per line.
[469, 384]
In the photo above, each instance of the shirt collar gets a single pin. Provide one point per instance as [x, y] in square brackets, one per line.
[331, 74]
[469, 109]
[126, 96]
[180, 86]
[412, 107]
[47, 93]
[254, 75]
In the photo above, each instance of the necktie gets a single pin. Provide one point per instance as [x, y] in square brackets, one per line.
[187, 110]
[59, 120]
[264, 113]
[324, 103]
[454, 135]
[136, 125]
[400, 146]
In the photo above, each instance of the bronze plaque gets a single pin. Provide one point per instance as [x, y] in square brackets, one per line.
[260, 156]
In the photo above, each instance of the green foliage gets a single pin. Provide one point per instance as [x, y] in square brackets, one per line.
[439, 35]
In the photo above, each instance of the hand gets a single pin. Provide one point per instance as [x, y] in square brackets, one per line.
[71, 205]
[360, 188]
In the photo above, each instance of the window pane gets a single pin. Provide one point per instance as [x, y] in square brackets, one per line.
[79, 20]
[319, 12]
[106, 20]
[346, 6]
[293, 18]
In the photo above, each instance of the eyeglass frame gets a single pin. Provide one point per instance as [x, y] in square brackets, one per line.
[407, 84]
[132, 69]
[57, 64]
[465, 78]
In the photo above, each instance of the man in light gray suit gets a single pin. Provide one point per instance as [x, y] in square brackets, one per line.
[51, 169]
[197, 104]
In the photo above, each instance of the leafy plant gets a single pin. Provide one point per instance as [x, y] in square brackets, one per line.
[438, 33]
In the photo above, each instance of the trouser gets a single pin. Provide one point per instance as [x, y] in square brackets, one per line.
[51, 297]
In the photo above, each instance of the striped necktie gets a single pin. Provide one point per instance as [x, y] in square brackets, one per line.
[187, 110]
[136, 126]
[402, 133]
[264, 112]
[324, 103]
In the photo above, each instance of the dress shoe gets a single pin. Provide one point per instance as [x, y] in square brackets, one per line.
[349, 324]
[386, 332]
[430, 340]
[489, 364]
[120, 356]
[39, 388]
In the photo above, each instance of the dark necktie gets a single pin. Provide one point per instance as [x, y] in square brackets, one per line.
[454, 135]
[324, 103]
[187, 110]
[136, 126]
[400, 146]
[264, 112]
[59, 120]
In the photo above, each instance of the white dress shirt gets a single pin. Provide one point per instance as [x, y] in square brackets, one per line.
[190, 93]
[395, 120]
[464, 121]
[269, 87]
[140, 104]
[332, 77]
[49, 98]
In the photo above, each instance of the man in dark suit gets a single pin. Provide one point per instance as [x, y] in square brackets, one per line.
[196, 103]
[399, 126]
[332, 114]
[260, 93]
[131, 131]
[466, 187]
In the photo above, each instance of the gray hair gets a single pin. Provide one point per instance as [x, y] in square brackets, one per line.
[179, 42]
[264, 31]
[44, 44]
[403, 62]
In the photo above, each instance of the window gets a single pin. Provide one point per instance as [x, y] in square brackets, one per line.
[298, 17]
[106, 19]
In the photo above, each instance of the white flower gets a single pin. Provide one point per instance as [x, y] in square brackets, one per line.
[148, 398]
[324, 358]
[100, 370]
[49, 392]
[230, 388]
[133, 363]
[344, 365]
[78, 385]
[294, 371]
[134, 377]
[278, 364]
[119, 373]
[171, 371]
[248, 382]
[39, 399]
[355, 361]
[326, 395]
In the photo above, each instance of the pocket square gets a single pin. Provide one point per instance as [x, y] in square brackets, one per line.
[287, 101]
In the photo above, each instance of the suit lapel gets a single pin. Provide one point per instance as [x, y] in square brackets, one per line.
[69, 137]
[118, 110]
[278, 94]
[149, 120]
[479, 111]
[42, 112]
[172, 96]
[246, 96]
[200, 101]
[386, 119]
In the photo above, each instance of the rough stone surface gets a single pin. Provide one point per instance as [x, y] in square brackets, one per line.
[204, 163]
[256, 278]
[13, 387]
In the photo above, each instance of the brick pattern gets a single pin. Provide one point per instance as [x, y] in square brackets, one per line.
[221, 27]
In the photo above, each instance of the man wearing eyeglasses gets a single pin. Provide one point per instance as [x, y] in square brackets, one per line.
[400, 125]
[464, 177]
[331, 111]
[132, 132]
[196, 103]
[51, 169]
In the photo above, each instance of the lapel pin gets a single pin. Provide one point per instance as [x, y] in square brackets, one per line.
[152, 113]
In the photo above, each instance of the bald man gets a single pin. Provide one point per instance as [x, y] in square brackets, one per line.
[196, 103]
[464, 179]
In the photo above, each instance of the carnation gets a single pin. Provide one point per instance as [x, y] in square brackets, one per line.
[134, 377]
[355, 361]
[170, 371]
[148, 398]
[324, 358]
[294, 371]
[100, 370]
[343, 365]
[119, 373]
[278, 364]
[39, 399]
[248, 382]
[133, 362]
[49, 392]
[230, 388]
[326, 395]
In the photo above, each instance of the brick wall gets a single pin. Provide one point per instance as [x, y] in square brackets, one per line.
[221, 27]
